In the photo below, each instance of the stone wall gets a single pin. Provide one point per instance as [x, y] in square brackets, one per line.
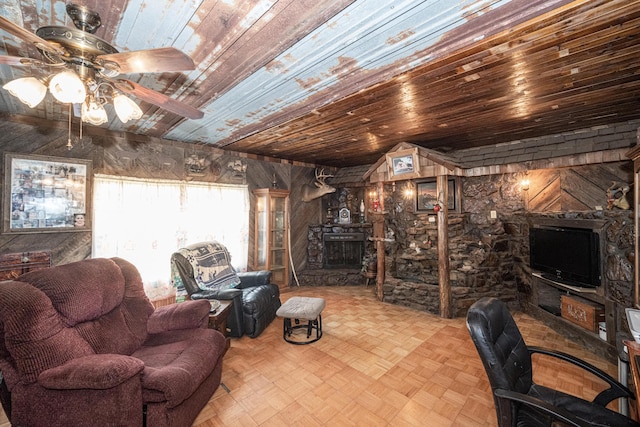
[488, 256]
[484, 254]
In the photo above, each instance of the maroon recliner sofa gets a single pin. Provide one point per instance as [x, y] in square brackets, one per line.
[81, 345]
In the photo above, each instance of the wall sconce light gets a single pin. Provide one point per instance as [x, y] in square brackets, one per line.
[524, 184]
[408, 190]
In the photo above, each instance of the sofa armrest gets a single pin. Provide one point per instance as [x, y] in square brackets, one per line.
[184, 315]
[251, 279]
[97, 372]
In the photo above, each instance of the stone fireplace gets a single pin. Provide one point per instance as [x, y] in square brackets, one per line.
[342, 250]
[338, 246]
[335, 253]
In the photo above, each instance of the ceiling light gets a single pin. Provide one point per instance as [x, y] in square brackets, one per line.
[93, 112]
[68, 88]
[29, 90]
[125, 108]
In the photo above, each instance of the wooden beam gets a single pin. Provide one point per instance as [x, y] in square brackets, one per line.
[443, 247]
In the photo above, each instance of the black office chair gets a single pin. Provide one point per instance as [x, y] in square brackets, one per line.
[518, 400]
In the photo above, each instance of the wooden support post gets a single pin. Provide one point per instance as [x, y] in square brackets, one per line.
[443, 246]
[380, 272]
[379, 235]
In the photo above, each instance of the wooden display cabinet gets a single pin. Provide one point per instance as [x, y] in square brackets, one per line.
[272, 234]
[634, 155]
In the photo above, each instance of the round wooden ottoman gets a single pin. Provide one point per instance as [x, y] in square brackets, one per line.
[302, 308]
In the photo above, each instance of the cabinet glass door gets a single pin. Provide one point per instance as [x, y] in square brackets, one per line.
[271, 240]
[261, 233]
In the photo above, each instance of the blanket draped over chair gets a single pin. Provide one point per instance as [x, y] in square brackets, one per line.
[211, 266]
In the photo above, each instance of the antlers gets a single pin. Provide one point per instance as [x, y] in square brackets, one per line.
[321, 188]
[320, 177]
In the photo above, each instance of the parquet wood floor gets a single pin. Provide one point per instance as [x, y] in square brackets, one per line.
[376, 365]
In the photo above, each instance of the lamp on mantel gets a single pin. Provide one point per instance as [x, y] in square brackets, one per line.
[68, 88]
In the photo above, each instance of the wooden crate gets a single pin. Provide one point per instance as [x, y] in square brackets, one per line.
[15, 264]
[581, 312]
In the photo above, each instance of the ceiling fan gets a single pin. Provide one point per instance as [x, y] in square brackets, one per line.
[84, 69]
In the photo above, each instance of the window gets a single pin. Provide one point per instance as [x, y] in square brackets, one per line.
[145, 221]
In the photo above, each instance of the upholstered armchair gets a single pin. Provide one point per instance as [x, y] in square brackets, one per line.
[81, 345]
[519, 401]
[204, 271]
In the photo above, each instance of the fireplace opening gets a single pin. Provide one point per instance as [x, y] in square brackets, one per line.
[343, 250]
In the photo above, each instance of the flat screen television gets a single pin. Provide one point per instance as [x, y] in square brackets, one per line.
[566, 255]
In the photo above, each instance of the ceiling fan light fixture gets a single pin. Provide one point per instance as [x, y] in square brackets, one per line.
[93, 113]
[125, 108]
[68, 88]
[29, 90]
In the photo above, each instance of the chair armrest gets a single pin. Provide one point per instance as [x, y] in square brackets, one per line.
[615, 390]
[96, 371]
[557, 413]
[250, 279]
[223, 294]
[184, 315]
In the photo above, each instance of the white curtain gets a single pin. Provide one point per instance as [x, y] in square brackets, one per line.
[145, 221]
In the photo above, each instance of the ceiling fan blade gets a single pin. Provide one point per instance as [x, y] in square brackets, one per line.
[158, 60]
[16, 60]
[156, 98]
[25, 35]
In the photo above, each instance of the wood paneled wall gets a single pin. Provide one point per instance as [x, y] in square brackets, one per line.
[575, 189]
[142, 157]
[303, 214]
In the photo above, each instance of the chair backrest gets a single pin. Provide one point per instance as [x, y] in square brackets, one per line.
[504, 353]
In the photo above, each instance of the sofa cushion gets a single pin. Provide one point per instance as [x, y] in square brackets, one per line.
[177, 362]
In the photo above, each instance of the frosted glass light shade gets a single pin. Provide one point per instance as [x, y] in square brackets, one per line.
[67, 87]
[125, 108]
[94, 113]
[29, 90]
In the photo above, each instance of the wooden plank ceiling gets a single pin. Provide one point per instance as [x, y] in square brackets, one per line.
[340, 82]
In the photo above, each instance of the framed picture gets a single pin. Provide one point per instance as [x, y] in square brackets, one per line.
[46, 194]
[403, 164]
[427, 195]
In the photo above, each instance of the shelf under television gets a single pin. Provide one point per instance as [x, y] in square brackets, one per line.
[579, 290]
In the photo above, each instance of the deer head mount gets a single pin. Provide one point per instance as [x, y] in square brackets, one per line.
[321, 188]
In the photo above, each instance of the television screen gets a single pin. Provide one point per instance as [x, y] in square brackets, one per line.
[567, 255]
